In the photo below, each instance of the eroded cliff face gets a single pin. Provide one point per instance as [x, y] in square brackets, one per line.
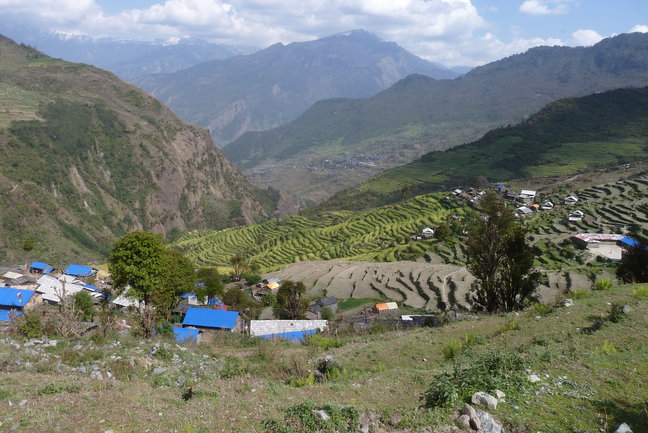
[87, 158]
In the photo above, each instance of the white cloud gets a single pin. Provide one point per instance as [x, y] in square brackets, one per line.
[447, 31]
[544, 7]
[586, 37]
[639, 28]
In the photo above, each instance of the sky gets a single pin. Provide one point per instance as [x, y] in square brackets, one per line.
[451, 32]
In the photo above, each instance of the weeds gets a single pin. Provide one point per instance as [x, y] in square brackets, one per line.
[306, 418]
[452, 349]
[640, 292]
[58, 388]
[324, 342]
[603, 284]
[580, 294]
[608, 347]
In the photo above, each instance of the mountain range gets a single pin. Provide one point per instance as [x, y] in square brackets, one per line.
[87, 157]
[339, 142]
[127, 59]
[275, 85]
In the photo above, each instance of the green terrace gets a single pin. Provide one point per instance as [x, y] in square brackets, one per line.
[380, 234]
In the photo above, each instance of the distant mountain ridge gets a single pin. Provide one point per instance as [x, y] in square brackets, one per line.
[419, 114]
[125, 58]
[87, 157]
[273, 86]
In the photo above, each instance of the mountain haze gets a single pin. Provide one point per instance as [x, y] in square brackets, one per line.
[419, 114]
[87, 157]
[275, 85]
[126, 58]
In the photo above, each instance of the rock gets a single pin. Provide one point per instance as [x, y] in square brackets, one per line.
[83, 370]
[395, 420]
[533, 378]
[485, 400]
[488, 423]
[22, 402]
[626, 309]
[109, 431]
[499, 394]
[464, 421]
[322, 414]
[96, 375]
[623, 428]
[159, 370]
[568, 302]
[473, 418]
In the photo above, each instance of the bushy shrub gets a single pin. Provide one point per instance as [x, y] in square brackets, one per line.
[31, 326]
[603, 284]
[327, 313]
[83, 302]
[304, 418]
[452, 349]
[495, 369]
[616, 313]
[608, 347]
[442, 392]
[233, 367]
[541, 309]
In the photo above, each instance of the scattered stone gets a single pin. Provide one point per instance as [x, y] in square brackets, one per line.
[485, 400]
[159, 370]
[568, 302]
[533, 378]
[464, 421]
[623, 428]
[83, 370]
[109, 431]
[22, 402]
[473, 418]
[626, 309]
[322, 414]
[488, 422]
[96, 375]
[395, 420]
[499, 394]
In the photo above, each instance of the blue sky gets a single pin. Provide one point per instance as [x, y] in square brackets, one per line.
[452, 32]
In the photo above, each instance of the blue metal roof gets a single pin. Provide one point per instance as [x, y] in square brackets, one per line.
[214, 301]
[187, 295]
[38, 265]
[48, 270]
[208, 318]
[4, 315]
[296, 336]
[91, 287]
[632, 243]
[80, 271]
[9, 297]
[183, 335]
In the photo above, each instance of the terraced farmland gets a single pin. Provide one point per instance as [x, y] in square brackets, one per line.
[380, 234]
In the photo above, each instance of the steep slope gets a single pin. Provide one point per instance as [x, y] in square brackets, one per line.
[87, 157]
[565, 137]
[126, 58]
[418, 114]
[275, 85]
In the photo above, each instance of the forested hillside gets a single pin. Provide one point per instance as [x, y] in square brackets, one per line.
[87, 157]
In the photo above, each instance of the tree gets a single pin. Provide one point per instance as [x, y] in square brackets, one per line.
[242, 302]
[291, 301]
[138, 260]
[157, 275]
[209, 283]
[500, 258]
[240, 266]
[443, 232]
[634, 266]
[85, 305]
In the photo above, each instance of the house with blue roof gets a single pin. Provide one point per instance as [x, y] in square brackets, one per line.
[41, 268]
[15, 300]
[80, 271]
[207, 319]
[186, 335]
[627, 242]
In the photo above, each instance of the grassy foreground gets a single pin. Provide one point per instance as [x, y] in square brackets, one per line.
[593, 375]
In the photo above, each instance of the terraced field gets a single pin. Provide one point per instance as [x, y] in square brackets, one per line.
[380, 234]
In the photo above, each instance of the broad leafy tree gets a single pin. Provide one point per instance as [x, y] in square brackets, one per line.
[210, 284]
[500, 259]
[239, 266]
[156, 274]
[242, 302]
[291, 300]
